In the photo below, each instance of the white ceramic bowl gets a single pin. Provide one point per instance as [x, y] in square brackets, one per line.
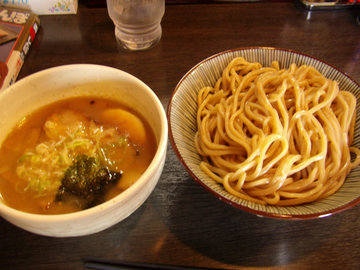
[182, 126]
[62, 82]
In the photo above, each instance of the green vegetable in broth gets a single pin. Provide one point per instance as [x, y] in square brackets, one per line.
[87, 180]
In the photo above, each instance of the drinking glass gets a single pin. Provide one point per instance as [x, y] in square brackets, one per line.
[137, 22]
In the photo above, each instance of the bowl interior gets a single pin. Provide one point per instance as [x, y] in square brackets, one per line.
[182, 124]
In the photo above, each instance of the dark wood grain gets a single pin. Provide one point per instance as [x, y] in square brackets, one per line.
[181, 223]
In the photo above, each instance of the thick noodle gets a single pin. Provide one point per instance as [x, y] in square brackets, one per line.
[276, 136]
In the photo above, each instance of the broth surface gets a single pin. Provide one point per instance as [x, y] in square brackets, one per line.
[74, 126]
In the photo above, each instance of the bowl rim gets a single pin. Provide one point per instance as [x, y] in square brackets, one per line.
[123, 196]
[245, 208]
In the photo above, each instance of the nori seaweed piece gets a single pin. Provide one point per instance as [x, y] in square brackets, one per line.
[87, 180]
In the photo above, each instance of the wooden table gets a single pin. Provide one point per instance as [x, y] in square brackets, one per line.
[181, 223]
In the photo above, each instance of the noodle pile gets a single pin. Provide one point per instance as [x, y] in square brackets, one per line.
[276, 136]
